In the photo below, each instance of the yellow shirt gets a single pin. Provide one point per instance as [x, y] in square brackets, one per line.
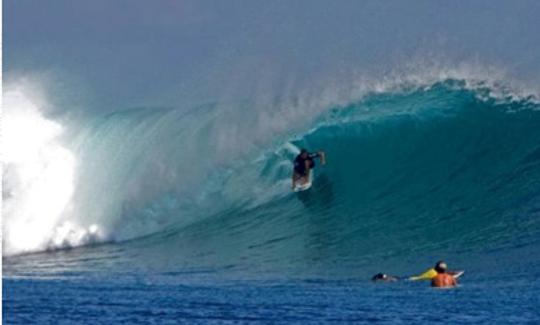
[428, 275]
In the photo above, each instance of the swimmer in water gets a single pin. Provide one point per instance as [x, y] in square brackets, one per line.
[443, 279]
[381, 277]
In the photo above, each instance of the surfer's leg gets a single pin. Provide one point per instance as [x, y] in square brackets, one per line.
[295, 178]
[305, 178]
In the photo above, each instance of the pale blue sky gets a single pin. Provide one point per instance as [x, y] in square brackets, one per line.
[130, 52]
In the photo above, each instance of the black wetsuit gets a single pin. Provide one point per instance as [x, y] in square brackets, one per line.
[300, 163]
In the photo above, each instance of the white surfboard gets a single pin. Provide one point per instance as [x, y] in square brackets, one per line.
[298, 187]
[457, 274]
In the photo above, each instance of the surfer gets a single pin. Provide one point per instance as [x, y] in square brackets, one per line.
[382, 277]
[443, 279]
[303, 163]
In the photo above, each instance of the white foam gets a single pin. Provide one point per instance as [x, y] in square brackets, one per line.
[38, 178]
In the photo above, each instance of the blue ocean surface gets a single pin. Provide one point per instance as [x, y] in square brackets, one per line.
[175, 298]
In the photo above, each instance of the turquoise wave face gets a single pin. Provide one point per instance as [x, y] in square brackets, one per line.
[412, 177]
[449, 175]
[442, 172]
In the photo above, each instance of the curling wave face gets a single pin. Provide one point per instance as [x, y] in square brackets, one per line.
[442, 169]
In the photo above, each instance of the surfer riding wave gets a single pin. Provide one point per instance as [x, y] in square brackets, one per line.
[303, 163]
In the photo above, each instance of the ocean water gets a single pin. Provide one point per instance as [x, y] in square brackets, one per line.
[137, 299]
[167, 216]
